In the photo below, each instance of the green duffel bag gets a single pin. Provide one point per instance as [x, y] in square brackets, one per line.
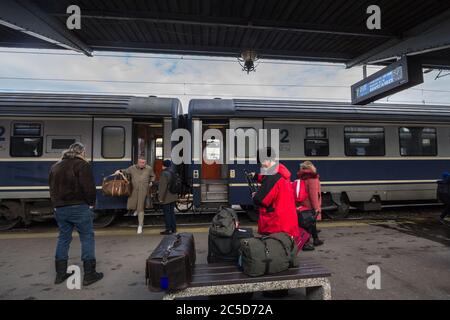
[270, 254]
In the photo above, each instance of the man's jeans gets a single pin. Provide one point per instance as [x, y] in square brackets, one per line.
[169, 216]
[79, 217]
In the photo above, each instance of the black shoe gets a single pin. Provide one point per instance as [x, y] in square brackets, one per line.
[90, 275]
[61, 271]
[166, 232]
[308, 247]
[318, 231]
[317, 242]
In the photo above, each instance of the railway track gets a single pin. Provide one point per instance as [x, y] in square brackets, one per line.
[203, 218]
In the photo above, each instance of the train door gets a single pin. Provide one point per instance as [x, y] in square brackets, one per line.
[152, 141]
[111, 150]
[214, 177]
[247, 134]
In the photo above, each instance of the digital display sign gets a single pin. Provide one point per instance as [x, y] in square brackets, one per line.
[403, 74]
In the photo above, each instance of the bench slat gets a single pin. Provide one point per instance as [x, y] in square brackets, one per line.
[222, 274]
[225, 269]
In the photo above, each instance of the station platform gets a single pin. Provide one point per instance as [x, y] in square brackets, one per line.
[413, 255]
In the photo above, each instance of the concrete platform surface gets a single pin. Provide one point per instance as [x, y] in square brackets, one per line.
[413, 256]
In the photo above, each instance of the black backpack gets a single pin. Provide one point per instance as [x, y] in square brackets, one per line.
[175, 184]
[224, 239]
[226, 249]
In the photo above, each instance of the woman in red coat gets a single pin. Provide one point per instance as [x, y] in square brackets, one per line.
[313, 201]
[277, 212]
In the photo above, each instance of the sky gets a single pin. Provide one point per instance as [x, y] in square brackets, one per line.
[188, 77]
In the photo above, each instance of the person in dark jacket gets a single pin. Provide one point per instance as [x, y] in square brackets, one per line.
[167, 198]
[277, 212]
[73, 194]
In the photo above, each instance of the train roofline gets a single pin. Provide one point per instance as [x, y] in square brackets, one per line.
[249, 108]
[42, 104]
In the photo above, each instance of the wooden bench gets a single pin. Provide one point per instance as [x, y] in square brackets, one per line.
[220, 279]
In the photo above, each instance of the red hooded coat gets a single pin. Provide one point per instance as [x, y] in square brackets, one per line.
[277, 212]
[312, 184]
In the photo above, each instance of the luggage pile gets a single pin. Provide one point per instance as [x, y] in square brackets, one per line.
[170, 266]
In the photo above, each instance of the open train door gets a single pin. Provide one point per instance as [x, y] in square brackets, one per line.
[213, 173]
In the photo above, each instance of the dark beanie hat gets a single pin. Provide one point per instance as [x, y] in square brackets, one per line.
[167, 163]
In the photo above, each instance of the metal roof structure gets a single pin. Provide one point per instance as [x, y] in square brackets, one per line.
[319, 30]
[312, 110]
[87, 105]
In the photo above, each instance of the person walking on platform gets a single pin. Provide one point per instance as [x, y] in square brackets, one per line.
[73, 195]
[142, 177]
[274, 198]
[308, 199]
[167, 197]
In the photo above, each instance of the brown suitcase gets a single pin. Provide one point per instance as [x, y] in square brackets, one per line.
[169, 267]
[116, 186]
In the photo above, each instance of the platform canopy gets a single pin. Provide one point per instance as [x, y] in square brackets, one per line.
[319, 30]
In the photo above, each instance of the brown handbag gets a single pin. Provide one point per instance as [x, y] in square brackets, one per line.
[116, 186]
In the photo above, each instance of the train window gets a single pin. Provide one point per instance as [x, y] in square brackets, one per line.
[61, 144]
[364, 141]
[26, 140]
[27, 129]
[417, 141]
[113, 142]
[213, 150]
[316, 142]
[159, 149]
[56, 144]
[26, 146]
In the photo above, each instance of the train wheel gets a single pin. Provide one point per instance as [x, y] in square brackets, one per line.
[185, 202]
[102, 220]
[343, 209]
[9, 214]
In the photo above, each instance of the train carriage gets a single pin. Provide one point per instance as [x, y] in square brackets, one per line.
[366, 155]
[36, 128]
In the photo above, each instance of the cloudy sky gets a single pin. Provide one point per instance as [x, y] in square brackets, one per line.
[188, 77]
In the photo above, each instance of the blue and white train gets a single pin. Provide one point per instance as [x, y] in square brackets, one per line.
[36, 128]
[366, 155]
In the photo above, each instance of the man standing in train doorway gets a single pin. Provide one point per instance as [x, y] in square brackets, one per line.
[73, 194]
[142, 177]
